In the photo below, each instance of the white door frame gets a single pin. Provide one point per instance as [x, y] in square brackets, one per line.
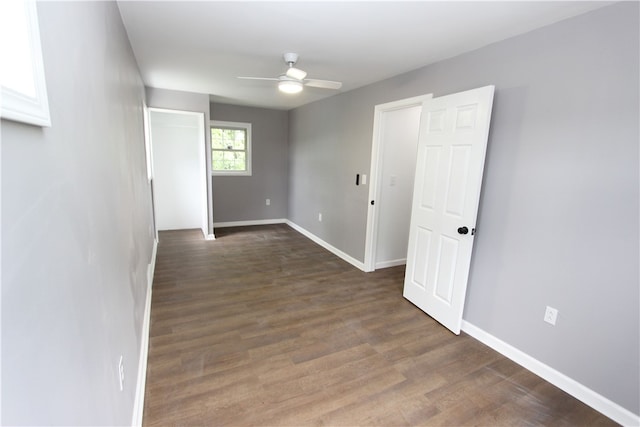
[206, 170]
[149, 160]
[375, 176]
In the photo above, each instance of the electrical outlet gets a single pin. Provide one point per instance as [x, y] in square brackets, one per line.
[121, 373]
[551, 315]
[320, 217]
[268, 202]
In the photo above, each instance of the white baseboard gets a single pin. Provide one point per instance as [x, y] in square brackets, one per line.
[391, 263]
[308, 234]
[249, 223]
[208, 236]
[563, 382]
[138, 406]
[351, 260]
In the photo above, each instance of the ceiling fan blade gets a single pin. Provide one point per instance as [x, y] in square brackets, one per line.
[324, 84]
[259, 78]
[296, 73]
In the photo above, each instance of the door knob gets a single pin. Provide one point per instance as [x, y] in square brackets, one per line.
[463, 230]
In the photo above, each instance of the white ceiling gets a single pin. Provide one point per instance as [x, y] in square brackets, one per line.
[203, 46]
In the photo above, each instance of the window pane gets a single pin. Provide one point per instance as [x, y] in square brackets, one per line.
[216, 138]
[227, 137]
[229, 160]
[239, 163]
[217, 162]
[238, 139]
[230, 139]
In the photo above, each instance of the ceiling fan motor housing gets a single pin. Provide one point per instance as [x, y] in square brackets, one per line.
[291, 58]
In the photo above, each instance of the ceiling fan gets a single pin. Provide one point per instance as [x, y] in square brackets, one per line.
[294, 79]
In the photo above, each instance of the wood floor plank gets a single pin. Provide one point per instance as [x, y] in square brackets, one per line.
[262, 327]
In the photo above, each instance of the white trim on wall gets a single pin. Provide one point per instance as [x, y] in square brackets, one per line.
[358, 264]
[249, 223]
[391, 263]
[563, 382]
[138, 406]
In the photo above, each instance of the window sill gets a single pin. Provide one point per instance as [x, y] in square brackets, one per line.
[230, 173]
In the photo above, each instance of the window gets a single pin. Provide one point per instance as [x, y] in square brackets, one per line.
[22, 83]
[230, 148]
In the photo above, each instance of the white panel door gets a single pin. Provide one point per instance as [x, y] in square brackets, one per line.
[179, 167]
[450, 162]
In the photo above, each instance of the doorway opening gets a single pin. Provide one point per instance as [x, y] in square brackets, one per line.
[393, 161]
[179, 169]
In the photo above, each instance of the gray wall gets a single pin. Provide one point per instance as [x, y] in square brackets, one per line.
[329, 143]
[558, 221]
[76, 229]
[242, 198]
[186, 101]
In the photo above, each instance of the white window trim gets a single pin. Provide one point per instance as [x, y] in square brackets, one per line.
[241, 125]
[16, 105]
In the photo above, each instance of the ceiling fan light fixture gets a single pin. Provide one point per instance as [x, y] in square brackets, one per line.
[296, 73]
[290, 86]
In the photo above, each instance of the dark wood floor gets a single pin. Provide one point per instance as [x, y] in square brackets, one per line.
[262, 327]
